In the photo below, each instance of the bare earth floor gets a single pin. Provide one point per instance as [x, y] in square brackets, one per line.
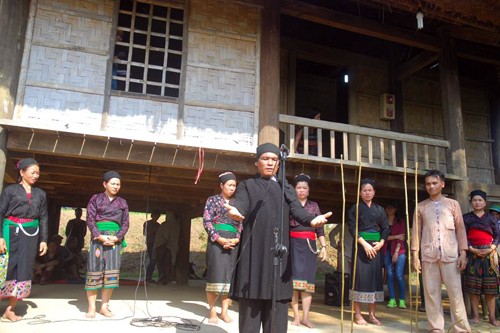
[61, 308]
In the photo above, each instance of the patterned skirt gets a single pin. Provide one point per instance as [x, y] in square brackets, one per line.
[220, 265]
[23, 250]
[481, 274]
[303, 264]
[368, 287]
[103, 265]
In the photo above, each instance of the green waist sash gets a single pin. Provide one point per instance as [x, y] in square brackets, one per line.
[373, 236]
[226, 227]
[110, 226]
[8, 223]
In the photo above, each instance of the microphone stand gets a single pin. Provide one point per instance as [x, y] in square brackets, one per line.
[279, 249]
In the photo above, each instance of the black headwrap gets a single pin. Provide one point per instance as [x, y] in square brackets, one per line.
[367, 181]
[267, 147]
[110, 175]
[478, 192]
[301, 178]
[26, 162]
[224, 177]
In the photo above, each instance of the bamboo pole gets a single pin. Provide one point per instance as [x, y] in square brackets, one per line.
[417, 239]
[355, 258]
[408, 241]
[342, 243]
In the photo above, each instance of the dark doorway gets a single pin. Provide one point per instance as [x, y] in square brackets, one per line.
[321, 87]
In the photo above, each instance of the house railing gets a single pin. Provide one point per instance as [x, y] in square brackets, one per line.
[380, 149]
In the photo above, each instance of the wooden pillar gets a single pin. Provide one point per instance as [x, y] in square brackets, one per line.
[14, 15]
[453, 119]
[54, 210]
[3, 155]
[495, 126]
[269, 72]
[182, 262]
[396, 88]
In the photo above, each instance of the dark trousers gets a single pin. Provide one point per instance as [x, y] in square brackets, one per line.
[151, 265]
[257, 312]
[163, 258]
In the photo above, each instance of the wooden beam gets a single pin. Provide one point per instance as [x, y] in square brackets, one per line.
[415, 64]
[270, 73]
[475, 35]
[479, 53]
[339, 20]
[126, 151]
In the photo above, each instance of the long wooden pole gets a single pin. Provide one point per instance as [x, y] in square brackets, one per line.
[415, 227]
[342, 243]
[408, 241]
[355, 258]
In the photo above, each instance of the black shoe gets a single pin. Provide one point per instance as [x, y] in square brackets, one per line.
[421, 308]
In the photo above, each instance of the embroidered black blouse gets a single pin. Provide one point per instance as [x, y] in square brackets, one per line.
[14, 201]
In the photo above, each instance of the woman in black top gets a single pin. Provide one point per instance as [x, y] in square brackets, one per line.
[373, 230]
[23, 215]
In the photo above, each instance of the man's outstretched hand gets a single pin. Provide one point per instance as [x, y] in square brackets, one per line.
[233, 213]
[320, 220]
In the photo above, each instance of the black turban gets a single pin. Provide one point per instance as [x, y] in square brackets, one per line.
[267, 147]
[367, 181]
[224, 177]
[110, 175]
[26, 162]
[478, 192]
[301, 178]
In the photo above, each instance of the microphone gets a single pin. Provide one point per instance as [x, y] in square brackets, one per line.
[284, 149]
[284, 152]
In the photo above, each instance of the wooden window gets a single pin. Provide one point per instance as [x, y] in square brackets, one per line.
[148, 48]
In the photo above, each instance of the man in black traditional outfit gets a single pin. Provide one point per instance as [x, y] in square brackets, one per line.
[258, 205]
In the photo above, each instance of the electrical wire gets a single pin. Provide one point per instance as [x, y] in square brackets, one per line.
[151, 321]
[158, 321]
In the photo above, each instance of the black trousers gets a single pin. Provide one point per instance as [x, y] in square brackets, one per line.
[257, 312]
[151, 265]
[163, 259]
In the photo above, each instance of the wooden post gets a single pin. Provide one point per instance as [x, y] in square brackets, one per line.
[396, 88]
[3, 155]
[495, 126]
[54, 210]
[452, 116]
[270, 72]
[182, 262]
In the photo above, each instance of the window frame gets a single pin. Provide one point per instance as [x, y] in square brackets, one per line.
[146, 66]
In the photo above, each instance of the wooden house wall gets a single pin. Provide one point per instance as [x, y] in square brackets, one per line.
[424, 117]
[65, 73]
[478, 145]
[423, 114]
[369, 83]
[221, 98]
[67, 59]
[68, 62]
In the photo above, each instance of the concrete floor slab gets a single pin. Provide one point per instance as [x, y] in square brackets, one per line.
[61, 308]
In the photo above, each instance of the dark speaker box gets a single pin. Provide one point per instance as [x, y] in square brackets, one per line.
[333, 288]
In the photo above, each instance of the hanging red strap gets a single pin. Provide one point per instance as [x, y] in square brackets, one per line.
[201, 161]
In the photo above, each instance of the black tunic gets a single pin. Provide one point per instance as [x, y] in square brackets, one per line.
[259, 199]
[368, 287]
[14, 202]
